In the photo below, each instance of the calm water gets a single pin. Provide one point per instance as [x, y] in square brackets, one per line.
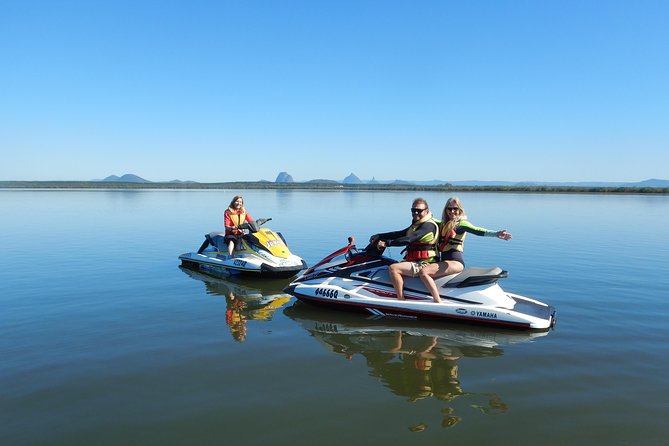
[105, 340]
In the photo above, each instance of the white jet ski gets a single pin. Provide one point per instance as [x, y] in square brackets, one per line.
[263, 253]
[349, 279]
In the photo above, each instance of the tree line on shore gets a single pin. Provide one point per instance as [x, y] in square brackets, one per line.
[327, 186]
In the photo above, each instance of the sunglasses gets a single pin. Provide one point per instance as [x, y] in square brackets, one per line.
[453, 209]
[417, 210]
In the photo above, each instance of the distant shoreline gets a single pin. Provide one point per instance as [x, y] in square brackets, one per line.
[327, 186]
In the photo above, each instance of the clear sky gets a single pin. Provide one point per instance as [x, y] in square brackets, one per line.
[518, 90]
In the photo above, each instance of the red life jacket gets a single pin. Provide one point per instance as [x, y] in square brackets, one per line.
[425, 248]
[237, 219]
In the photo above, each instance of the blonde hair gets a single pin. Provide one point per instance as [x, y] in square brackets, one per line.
[447, 224]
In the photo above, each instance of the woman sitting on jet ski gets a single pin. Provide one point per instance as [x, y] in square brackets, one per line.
[234, 216]
[452, 231]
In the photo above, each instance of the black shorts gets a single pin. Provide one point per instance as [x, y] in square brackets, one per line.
[236, 239]
[452, 255]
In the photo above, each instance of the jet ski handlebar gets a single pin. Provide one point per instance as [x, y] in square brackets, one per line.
[254, 226]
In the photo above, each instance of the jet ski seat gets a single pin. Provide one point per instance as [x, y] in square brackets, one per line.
[215, 239]
[473, 277]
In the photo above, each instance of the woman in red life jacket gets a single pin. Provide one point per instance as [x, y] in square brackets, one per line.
[234, 216]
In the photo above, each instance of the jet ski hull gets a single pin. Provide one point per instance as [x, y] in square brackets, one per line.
[250, 266]
[536, 315]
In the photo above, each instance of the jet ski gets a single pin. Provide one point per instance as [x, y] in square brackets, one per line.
[350, 279]
[262, 253]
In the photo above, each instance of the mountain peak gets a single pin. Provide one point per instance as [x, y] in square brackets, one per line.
[127, 178]
[352, 179]
[284, 177]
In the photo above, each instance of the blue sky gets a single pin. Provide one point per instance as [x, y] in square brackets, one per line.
[242, 90]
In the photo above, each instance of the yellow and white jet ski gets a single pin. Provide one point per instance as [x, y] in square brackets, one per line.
[262, 253]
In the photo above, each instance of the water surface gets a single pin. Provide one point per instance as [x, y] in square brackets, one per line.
[105, 340]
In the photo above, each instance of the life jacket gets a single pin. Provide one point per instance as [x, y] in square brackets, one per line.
[451, 240]
[456, 239]
[424, 248]
[237, 217]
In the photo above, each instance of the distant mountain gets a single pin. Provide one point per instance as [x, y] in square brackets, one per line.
[127, 178]
[352, 179]
[180, 181]
[131, 178]
[645, 183]
[408, 182]
[284, 177]
[484, 183]
[653, 183]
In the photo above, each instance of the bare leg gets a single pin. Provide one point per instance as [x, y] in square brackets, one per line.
[397, 337]
[452, 267]
[396, 271]
[426, 278]
[439, 269]
[231, 246]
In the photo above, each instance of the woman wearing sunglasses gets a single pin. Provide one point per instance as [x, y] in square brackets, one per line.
[453, 228]
[420, 239]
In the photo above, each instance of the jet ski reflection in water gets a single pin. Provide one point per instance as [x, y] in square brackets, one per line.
[416, 360]
[263, 253]
[245, 300]
[354, 280]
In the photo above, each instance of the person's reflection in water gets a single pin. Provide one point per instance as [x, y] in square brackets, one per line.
[418, 367]
[447, 387]
[416, 359]
[235, 318]
[245, 300]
